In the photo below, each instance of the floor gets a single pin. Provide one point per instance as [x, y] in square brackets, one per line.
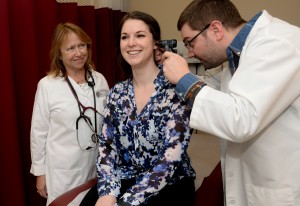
[204, 150]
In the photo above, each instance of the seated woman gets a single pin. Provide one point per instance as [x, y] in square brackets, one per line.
[143, 156]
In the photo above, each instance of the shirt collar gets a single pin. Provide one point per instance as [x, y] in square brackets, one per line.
[234, 50]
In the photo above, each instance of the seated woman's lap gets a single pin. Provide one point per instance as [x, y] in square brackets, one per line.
[179, 194]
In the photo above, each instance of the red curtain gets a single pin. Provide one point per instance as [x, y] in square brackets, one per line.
[26, 28]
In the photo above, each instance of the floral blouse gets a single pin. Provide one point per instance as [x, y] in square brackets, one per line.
[150, 147]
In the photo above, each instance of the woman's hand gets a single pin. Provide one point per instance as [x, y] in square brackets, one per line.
[106, 200]
[41, 186]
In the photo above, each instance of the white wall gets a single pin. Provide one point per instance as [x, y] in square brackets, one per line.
[167, 12]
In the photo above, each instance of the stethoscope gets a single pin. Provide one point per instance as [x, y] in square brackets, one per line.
[82, 110]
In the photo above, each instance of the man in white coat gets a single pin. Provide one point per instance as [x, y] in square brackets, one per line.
[256, 112]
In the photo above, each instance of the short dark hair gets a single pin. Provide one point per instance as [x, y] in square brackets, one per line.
[199, 13]
[154, 28]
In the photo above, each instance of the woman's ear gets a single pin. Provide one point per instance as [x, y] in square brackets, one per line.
[158, 52]
[155, 44]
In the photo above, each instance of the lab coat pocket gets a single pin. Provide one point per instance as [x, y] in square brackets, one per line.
[265, 196]
[64, 180]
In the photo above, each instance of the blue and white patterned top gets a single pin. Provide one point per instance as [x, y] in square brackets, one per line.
[150, 146]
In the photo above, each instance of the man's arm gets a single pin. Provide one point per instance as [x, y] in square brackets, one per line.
[176, 70]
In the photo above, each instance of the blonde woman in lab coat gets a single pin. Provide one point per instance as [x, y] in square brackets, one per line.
[68, 104]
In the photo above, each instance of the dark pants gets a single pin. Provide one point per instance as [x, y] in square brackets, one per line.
[180, 194]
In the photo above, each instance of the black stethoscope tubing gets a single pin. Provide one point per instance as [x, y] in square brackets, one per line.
[81, 107]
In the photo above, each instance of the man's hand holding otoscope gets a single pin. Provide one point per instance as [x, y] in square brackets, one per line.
[174, 65]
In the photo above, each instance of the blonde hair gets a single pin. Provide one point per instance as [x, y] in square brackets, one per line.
[57, 67]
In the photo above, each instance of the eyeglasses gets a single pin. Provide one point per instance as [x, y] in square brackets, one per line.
[188, 44]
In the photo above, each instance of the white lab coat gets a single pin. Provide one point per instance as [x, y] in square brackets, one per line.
[258, 115]
[55, 151]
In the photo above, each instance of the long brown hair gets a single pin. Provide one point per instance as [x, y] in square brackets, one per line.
[154, 28]
[57, 67]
